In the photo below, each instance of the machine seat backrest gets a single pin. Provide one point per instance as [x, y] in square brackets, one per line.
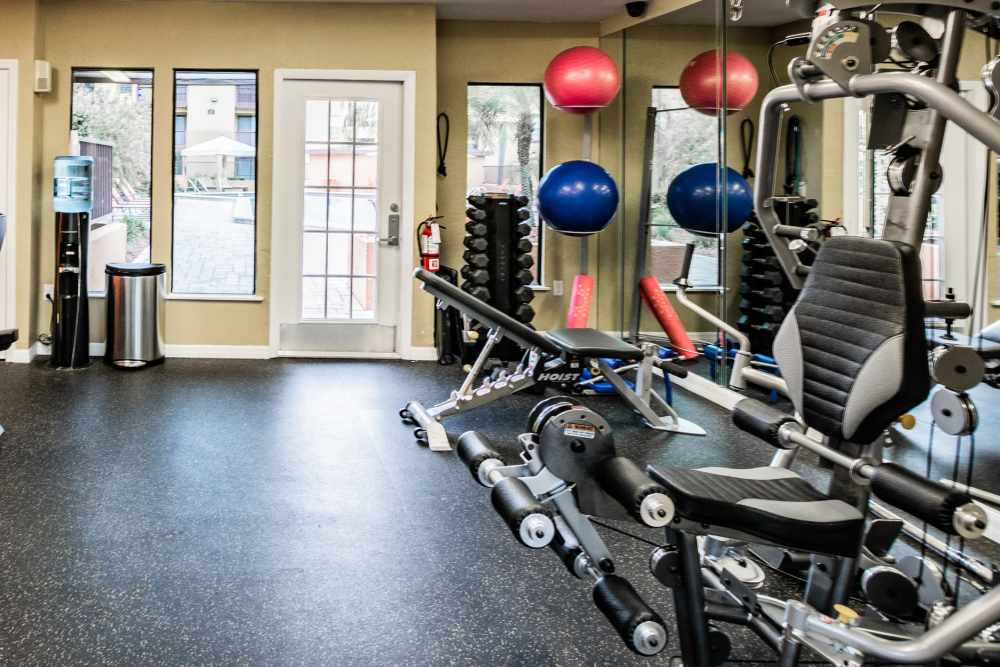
[852, 349]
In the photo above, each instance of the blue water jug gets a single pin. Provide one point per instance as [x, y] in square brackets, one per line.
[72, 181]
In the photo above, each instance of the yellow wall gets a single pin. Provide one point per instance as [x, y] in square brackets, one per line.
[199, 34]
[20, 40]
[511, 53]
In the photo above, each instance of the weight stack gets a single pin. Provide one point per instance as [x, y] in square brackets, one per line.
[498, 263]
[766, 296]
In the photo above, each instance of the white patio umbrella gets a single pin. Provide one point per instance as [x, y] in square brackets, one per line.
[220, 148]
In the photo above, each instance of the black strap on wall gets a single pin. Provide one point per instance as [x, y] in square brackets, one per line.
[747, 134]
[443, 143]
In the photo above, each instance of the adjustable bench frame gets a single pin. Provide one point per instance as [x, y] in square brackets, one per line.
[543, 363]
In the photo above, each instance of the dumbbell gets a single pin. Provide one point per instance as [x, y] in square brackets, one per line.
[475, 276]
[762, 277]
[477, 259]
[477, 229]
[771, 312]
[523, 214]
[524, 294]
[523, 245]
[524, 313]
[477, 244]
[746, 324]
[523, 229]
[475, 214]
[521, 200]
[524, 261]
[480, 293]
[764, 262]
[478, 201]
[769, 294]
[751, 244]
[524, 277]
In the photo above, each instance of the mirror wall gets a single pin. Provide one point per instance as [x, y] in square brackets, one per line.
[822, 165]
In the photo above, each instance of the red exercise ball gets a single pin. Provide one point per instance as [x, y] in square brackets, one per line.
[700, 82]
[581, 79]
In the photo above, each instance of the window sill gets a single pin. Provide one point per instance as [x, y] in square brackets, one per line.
[995, 303]
[250, 298]
[540, 288]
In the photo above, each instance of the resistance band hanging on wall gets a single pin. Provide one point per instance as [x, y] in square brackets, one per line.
[442, 143]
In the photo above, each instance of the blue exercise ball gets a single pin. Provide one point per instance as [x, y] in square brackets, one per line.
[577, 197]
[694, 201]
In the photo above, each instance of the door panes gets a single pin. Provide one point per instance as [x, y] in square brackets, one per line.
[340, 222]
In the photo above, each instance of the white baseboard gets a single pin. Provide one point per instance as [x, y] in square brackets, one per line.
[217, 351]
[26, 355]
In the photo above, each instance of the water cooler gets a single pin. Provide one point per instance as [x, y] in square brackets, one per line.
[72, 201]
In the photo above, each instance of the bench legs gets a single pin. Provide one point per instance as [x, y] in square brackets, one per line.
[671, 421]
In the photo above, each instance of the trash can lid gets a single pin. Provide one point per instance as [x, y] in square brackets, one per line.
[136, 269]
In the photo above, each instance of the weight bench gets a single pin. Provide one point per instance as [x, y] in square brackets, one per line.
[554, 358]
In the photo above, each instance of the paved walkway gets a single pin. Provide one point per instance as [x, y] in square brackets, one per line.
[212, 253]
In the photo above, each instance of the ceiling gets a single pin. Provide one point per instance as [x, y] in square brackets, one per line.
[760, 13]
[764, 12]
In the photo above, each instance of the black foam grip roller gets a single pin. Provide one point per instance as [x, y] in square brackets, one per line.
[761, 420]
[671, 367]
[529, 520]
[623, 480]
[641, 628]
[473, 450]
[568, 555]
[926, 499]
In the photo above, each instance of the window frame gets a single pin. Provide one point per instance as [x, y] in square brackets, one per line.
[198, 296]
[539, 284]
[100, 291]
[720, 242]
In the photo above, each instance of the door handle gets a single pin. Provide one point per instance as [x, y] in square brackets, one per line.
[392, 238]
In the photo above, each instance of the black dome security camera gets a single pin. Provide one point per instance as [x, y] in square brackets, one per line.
[636, 8]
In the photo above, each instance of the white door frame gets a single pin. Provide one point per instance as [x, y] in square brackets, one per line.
[8, 318]
[408, 78]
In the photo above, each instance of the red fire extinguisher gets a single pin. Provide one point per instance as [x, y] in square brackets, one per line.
[429, 238]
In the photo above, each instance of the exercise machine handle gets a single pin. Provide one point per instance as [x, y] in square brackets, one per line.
[645, 500]
[474, 449]
[946, 509]
[529, 520]
[641, 628]
[947, 309]
[686, 266]
[671, 367]
[761, 420]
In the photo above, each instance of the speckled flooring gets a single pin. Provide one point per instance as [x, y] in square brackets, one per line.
[278, 513]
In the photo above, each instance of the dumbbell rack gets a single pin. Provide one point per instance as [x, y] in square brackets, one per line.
[766, 295]
[498, 263]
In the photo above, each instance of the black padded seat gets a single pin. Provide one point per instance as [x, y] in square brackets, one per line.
[593, 343]
[774, 504]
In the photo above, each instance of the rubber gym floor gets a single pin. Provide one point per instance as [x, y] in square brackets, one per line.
[278, 513]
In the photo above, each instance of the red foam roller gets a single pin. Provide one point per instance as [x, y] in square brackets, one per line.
[659, 305]
[579, 302]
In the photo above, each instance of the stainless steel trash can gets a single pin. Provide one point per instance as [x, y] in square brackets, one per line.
[135, 302]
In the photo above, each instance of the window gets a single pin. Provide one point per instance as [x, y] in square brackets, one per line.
[215, 172]
[683, 138]
[339, 230]
[246, 130]
[505, 146]
[112, 117]
[875, 192]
